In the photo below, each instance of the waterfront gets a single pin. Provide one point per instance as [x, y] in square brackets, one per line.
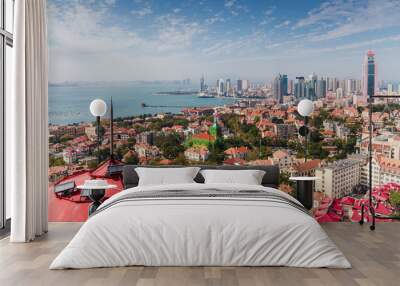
[70, 104]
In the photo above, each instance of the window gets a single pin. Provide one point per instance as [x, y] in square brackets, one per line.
[6, 43]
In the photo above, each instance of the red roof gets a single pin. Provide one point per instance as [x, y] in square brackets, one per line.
[236, 150]
[234, 161]
[328, 218]
[73, 208]
[204, 136]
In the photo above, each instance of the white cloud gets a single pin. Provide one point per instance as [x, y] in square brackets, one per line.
[328, 11]
[143, 9]
[142, 12]
[84, 46]
[176, 33]
[342, 18]
[268, 18]
[89, 42]
[215, 19]
[229, 3]
[283, 24]
[235, 8]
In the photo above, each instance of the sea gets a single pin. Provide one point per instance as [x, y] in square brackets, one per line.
[69, 103]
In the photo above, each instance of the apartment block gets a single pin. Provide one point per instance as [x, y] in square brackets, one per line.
[338, 178]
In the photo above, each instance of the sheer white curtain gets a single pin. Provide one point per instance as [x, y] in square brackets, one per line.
[26, 123]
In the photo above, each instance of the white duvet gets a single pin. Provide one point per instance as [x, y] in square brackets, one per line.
[202, 232]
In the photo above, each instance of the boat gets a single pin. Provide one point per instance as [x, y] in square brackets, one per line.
[205, 95]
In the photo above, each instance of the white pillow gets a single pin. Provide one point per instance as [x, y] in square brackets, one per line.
[248, 177]
[166, 176]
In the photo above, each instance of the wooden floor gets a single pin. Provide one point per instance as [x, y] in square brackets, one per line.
[375, 257]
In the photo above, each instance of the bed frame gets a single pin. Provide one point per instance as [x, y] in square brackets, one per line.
[270, 179]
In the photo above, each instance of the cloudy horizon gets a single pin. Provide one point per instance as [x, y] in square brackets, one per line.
[128, 40]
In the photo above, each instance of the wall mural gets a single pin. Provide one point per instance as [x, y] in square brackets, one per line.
[219, 82]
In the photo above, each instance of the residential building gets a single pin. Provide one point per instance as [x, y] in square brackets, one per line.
[283, 159]
[146, 151]
[237, 152]
[384, 170]
[338, 178]
[285, 131]
[146, 137]
[70, 156]
[305, 169]
[197, 153]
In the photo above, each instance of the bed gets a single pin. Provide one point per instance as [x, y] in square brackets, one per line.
[197, 224]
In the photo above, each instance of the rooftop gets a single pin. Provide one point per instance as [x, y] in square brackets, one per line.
[341, 164]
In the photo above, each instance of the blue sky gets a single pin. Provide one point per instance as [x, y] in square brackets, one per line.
[165, 40]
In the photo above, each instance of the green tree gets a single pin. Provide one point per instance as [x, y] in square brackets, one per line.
[56, 161]
[170, 145]
[394, 200]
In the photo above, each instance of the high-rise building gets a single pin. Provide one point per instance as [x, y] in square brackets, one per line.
[242, 85]
[313, 83]
[290, 87]
[339, 92]
[299, 87]
[202, 84]
[228, 85]
[309, 89]
[280, 87]
[239, 85]
[321, 88]
[220, 87]
[390, 89]
[369, 75]
[245, 84]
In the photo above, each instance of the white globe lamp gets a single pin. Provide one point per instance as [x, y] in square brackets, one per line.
[98, 107]
[305, 107]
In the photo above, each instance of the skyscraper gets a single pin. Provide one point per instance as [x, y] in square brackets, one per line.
[321, 88]
[314, 80]
[228, 86]
[290, 87]
[220, 87]
[299, 87]
[245, 84]
[280, 87]
[202, 84]
[369, 75]
[239, 86]
[390, 89]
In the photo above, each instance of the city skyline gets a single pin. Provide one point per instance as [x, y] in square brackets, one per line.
[220, 39]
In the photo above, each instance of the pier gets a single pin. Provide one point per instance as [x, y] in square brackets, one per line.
[144, 105]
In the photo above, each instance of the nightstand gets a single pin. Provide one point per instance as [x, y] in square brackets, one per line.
[304, 190]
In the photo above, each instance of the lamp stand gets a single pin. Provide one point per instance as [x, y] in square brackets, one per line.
[306, 139]
[98, 139]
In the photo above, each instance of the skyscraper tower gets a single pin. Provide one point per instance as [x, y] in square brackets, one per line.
[390, 89]
[220, 87]
[228, 86]
[369, 75]
[280, 87]
[202, 84]
[299, 88]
